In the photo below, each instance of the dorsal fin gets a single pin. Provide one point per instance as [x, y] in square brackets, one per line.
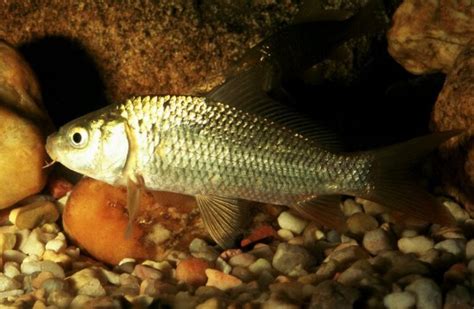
[245, 92]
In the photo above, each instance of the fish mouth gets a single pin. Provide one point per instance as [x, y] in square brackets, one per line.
[50, 149]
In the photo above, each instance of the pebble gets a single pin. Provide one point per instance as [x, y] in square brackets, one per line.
[54, 284]
[292, 222]
[86, 282]
[211, 303]
[14, 256]
[417, 244]
[399, 300]
[428, 293]
[221, 280]
[223, 266]
[262, 251]
[40, 278]
[331, 294]
[470, 266]
[7, 241]
[459, 295]
[260, 265]
[470, 249]
[456, 247]
[376, 241]
[345, 255]
[80, 301]
[371, 208]
[360, 222]
[33, 244]
[60, 258]
[60, 298]
[56, 245]
[34, 214]
[439, 259]
[200, 249]
[291, 259]
[242, 260]
[242, 273]
[192, 271]
[350, 207]
[8, 284]
[459, 214]
[11, 269]
[145, 272]
[285, 235]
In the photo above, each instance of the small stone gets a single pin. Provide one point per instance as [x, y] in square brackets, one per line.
[265, 279]
[146, 272]
[156, 288]
[40, 278]
[56, 245]
[291, 222]
[33, 244]
[371, 208]
[30, 265]
[409, 233]
[86, 282]
[350, 207]
[394, 265]
[453, 246]
[211, 303]
[53, 268]
[457, 296]
[164, 267]
[291, 260]
[333, 237]
[470, 249]
[54, 284]
[223, 266]
[33, 215]
[459, 214]
[200, 249]
[470, 266]
[80, 301]
[11, 293]
[60, 298]
[11, 269]
[346, 255]
[376, 241]
[262, 251]
[8, 284]
[243, 260]
[331, 294]
[318, 235]
[439, 259]
[260, 265]
[359, 223]
[14, 256]
[299, 241]
[242, 273]
[399, 300]
[61, 259]
[192, 271]
[417, 244]
[111, 277]
[428, 293]
[285, 235]
[221, 280]
[7, 241]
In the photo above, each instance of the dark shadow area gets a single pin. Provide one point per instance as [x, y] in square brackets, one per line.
[70, 82]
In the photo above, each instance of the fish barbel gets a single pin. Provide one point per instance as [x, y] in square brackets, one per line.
[222, 155]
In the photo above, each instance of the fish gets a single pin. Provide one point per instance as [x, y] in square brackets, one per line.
[225, 154]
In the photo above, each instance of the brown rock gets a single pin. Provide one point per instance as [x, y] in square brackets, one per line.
[192, 271]
[221, 280]
[454, 110]
[33, 215]
[427, 36]
[158, 215]
[331, 294]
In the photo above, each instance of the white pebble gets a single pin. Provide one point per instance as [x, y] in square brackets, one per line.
[53, 268]
[285, 234]
[11, 269]
[291, 222]
[223, 266]
[33, 244]
[456, 211]
[417, 244]
[350, 207]
[470, 249]
[7, 241]
[428, 293]
[7, 284]
[30, 265]
[399, 300]
[127, 260]
[56, 245]
[453, 246]
[409, 233]
[318, 235]
[14, 256]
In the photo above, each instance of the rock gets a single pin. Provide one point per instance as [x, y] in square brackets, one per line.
[458, 296]
[453, 246]
[399, 300]
[291, 222]
[56, 245]
[350, 207]
[330, 294]
[290, 259]
[417, 244]
[376, 241]
[61, 259]
[87, 282]
[428, 293]
[262, 251]
[23, 126]
[145, 272]
[394, 265]
[40, 278]
[456, 211]
[359, 223]
[221, 280]
[192, 271]
[80, 301]
[11, 269]
[242, 273]
[8, 284]
[346, 255]
[470, 266]
[61, 299]
[454, 110]
[54, 284]
[211, 303]
[428, 36]
[243, 260]
[14, 256]
[200, 249]
[371, 208]
[33, 245]
[223, 266]
[439, 259]
[163, 212]
[285, 235]
[33, 215]
[360, 274]
[7, 241]
[470, 249]
[260, 265]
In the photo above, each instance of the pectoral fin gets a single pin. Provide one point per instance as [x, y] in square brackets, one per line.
[134, 191]
[323, 209]
[223, 217]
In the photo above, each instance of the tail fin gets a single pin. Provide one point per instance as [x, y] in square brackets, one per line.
[393, 180]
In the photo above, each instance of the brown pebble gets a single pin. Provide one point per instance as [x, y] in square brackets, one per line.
[192, 271]
[359, 223]
[221, 280]
[42, 277]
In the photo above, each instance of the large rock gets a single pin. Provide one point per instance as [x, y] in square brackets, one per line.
[427, 36]
[96, 218]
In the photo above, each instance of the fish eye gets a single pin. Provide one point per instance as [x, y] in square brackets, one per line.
[78, 137]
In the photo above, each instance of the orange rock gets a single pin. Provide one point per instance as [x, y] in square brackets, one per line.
[192, 271]
[221, 280]
[95, 217]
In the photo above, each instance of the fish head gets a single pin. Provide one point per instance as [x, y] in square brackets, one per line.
[92, 145]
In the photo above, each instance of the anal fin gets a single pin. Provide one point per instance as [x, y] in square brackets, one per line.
[134, 191]
[224, 218]
[323, 209]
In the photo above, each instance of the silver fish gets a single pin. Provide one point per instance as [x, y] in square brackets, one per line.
[223, 154]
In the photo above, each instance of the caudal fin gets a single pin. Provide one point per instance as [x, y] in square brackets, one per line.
[393, 180]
